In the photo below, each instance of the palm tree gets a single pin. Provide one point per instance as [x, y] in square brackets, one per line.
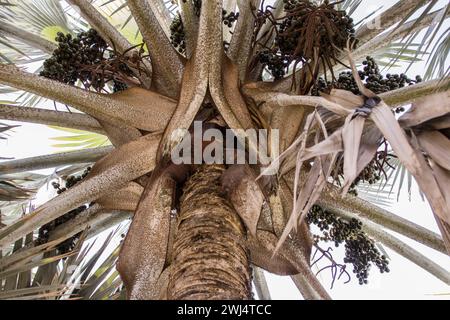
[205, 231]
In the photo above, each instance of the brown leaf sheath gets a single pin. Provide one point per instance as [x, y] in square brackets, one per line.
[144, 250]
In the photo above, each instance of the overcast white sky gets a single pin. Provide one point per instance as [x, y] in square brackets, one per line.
[405, 281]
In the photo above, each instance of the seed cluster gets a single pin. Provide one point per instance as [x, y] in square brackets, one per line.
[371, 77]
[177, 32]
[360, 250]
[45, 230]
[87, 48]
[308, 32]
[78, 58]
[333, 29]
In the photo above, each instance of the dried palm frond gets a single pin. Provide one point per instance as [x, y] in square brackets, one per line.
[357, 153]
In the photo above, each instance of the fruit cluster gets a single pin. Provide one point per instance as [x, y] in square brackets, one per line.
[371, 77]
[65, 65]
[306, 33]
[83, 58]
[45, 230]
[360, 250]
[332, 29]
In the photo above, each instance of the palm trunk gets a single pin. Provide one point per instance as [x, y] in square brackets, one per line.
[210, 259]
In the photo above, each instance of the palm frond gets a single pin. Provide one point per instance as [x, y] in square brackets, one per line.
[4, 128]
[79, 139]
[428, 40]
[30, 269]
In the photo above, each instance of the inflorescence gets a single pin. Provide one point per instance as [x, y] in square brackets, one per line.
[360, 250]
[86, 58]
[308, 32]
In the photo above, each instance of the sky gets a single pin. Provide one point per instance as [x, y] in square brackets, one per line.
[405, 281]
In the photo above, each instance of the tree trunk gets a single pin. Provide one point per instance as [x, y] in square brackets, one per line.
[210, 259]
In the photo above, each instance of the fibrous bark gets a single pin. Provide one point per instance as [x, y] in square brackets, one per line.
[210, 260]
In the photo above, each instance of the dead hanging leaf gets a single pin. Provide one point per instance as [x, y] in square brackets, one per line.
[110, 173]
[353, 127]
[125, 199]
[143, 253]
[309, 193]
[370, 143]
[425, 109]
[245, 194]
[303, 236]
[358, 156]
[314, 177]
[437, 146]
[351, 137]
[412, 159]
